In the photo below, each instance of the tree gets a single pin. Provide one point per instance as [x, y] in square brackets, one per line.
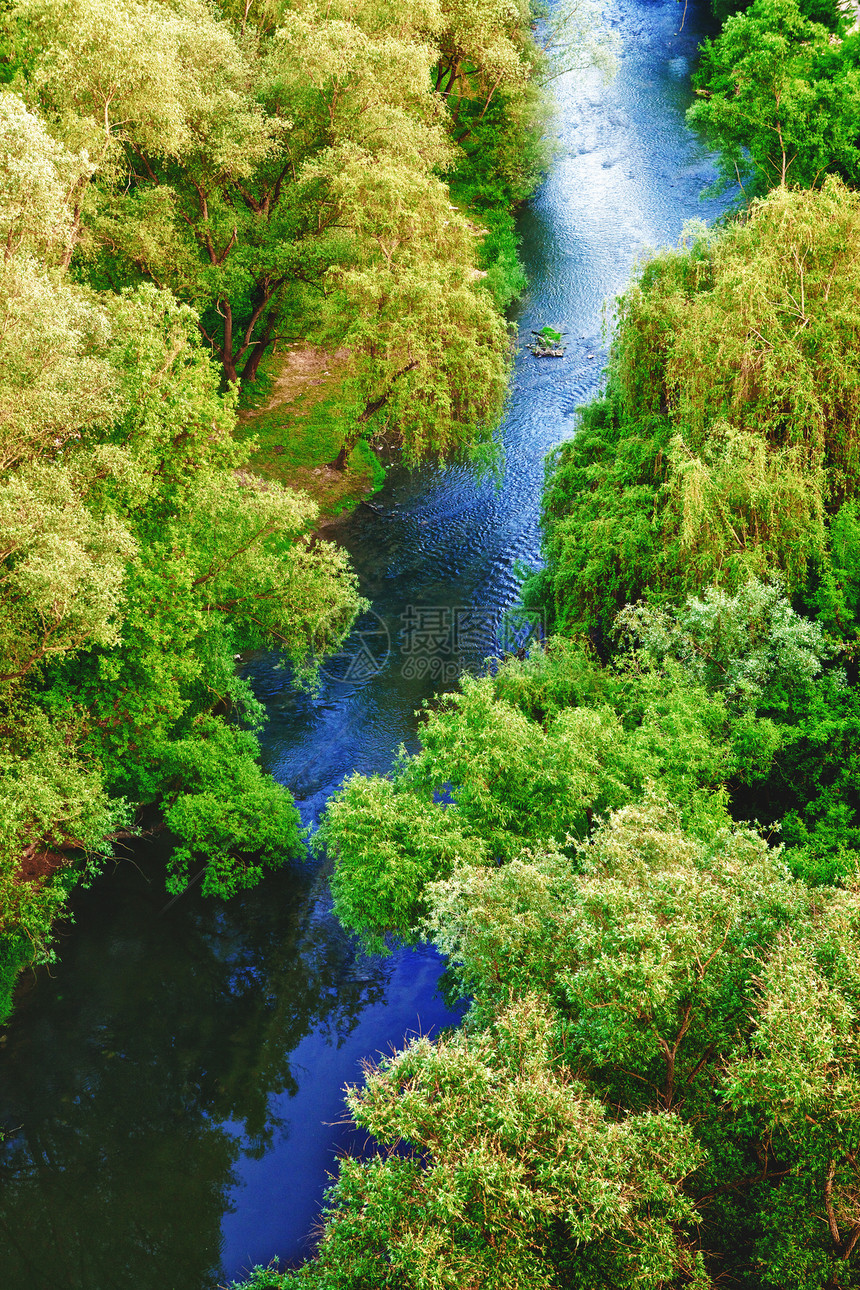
[220, 561]
[210, 196]
[52, 803]
[306, 196]
[430, 352]
[469, 1193]
[136, 554]
[779, 97]
[159, 96]
[498, 774]
[38, 177]
[726, 441]
[752, 647]
[798, 1084]
[677, 976]
[693, 974]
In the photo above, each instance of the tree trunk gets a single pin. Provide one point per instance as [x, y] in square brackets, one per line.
[258, 349]
[342, 457]
[370, 410]
[227, 348]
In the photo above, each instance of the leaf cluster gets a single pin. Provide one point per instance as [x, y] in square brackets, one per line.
[571, 832]
[137, 555]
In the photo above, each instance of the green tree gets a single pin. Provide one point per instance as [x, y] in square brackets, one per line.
[503, 768]
[221, 561]
[671, 959]
[797, 1085]
[159, 96]
[779, 99]
[505, 1173]
[679, 977]
[303, 195]
[137, 554]
[727, 437]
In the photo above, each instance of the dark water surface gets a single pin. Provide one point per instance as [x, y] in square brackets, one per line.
[174, 1083]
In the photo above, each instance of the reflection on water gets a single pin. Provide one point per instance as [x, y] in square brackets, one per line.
[149, 1065]
[175, 1082]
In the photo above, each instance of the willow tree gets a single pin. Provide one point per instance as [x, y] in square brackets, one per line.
[283, 170]
[728, 440]
[159, 96]
[137, 554]
[428, 349]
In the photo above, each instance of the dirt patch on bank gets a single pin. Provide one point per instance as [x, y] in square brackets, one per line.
[297, 372]
[299, 425]
[38, 863]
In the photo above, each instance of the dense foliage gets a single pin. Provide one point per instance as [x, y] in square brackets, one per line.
[180, 185]
[644, 965]
[137, 556]
[657, 1084]
[282, 168]
[779, 93]
[726, 445]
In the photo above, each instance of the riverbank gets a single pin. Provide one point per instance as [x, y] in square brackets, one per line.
[200, 1006]
[294, 411]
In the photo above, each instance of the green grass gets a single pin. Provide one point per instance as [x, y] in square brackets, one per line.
[304, 430]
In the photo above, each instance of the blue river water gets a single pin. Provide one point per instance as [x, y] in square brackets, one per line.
[172, 1087]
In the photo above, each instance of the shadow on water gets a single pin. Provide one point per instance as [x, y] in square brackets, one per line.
[151, 1062]
[174, 1084]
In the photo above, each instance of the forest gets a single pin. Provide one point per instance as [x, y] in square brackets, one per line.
[184, 186]
[637, 846]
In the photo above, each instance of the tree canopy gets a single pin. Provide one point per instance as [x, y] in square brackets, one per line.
[726, 444]
[779, 95]
[137, 554]
[573, 832]
[283, 170]
[182, 185]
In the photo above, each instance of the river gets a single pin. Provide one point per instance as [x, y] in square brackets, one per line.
[172, 1086]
